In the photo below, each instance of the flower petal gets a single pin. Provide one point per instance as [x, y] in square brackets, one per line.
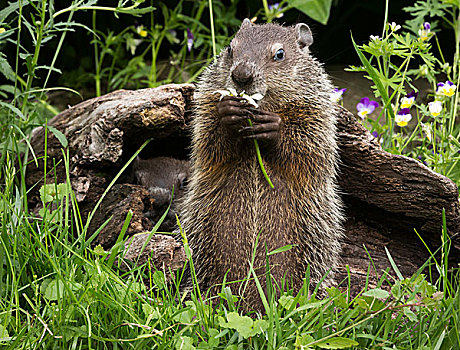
[257, 96]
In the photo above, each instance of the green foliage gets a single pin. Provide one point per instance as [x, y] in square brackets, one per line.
[388, 62]
[317, 9]
[244, 325]
[56, 291]
[133, 58]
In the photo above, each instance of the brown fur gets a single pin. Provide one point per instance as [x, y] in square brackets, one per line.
[229, 202]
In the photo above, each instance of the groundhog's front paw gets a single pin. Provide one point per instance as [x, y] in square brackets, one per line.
[265, 126]
[233, 113]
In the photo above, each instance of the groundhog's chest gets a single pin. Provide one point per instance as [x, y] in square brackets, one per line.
[246, 205]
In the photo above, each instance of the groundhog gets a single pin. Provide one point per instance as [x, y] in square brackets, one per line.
[161, 175]
[229, 204]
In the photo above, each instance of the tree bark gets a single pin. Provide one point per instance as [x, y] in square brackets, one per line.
[387, 196]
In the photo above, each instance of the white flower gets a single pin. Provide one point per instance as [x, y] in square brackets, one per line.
[447, 89]
[251, 99]
[425, 32]
[336, 95]
[407, 102]
[222, 93]
[394, 27]
[403, 117]
[427, 130]
[435, 108]
[374, 37]
[423, 70]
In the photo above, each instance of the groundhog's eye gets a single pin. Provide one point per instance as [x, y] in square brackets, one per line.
[229, 50]
[279, 55]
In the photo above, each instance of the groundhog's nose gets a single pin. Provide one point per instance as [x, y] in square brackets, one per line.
[242, 74]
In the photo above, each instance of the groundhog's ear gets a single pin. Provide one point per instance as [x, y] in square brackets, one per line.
[246, 23]
[304, 36]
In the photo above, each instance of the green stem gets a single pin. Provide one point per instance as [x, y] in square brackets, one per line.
[213, 35]
[56, 54]
[259, 158]
[385, 21]
[267, 11]
[97, 77]
[38, 44]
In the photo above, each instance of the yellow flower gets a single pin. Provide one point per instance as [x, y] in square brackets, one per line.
[403, 117]
[141, 31]
[447, 89]
[435, 108]
[2, 30]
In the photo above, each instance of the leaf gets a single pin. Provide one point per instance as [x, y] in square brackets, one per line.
[59, 135]
[337, 343]
[150, 311]
[393, 264]
[3, 332]
[13, 109]
[212, 340]
[6, 69]
[44, 212]
[280, 249]
[410, 315]
[8, 10]
[62, 190]
[185, 316]
[286, 301]
[47, 193]
[54, 290]
[440, 340]
[377, 293]
[396, 290]
[338, 297]
[319, 10]
[184, 343]
[135, 12]
[244, 325]
[302, 340]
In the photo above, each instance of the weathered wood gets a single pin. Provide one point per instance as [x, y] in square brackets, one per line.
[104, 132]
[386, 195]
[163, 252]
[401, 192]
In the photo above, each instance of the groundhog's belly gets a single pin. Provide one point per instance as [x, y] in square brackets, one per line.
[247, 211]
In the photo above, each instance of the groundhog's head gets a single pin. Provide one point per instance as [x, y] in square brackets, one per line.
[266, 57]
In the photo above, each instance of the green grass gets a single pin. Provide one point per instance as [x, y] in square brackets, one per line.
[59, 292]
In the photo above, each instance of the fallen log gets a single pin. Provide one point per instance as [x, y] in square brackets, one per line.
[386, 196]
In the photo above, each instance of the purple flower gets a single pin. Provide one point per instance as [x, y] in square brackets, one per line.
[424, 32]
[275, 8]
[190, 38]
[365, 106]
[447, 88]
[413, 94]
[375, 134]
